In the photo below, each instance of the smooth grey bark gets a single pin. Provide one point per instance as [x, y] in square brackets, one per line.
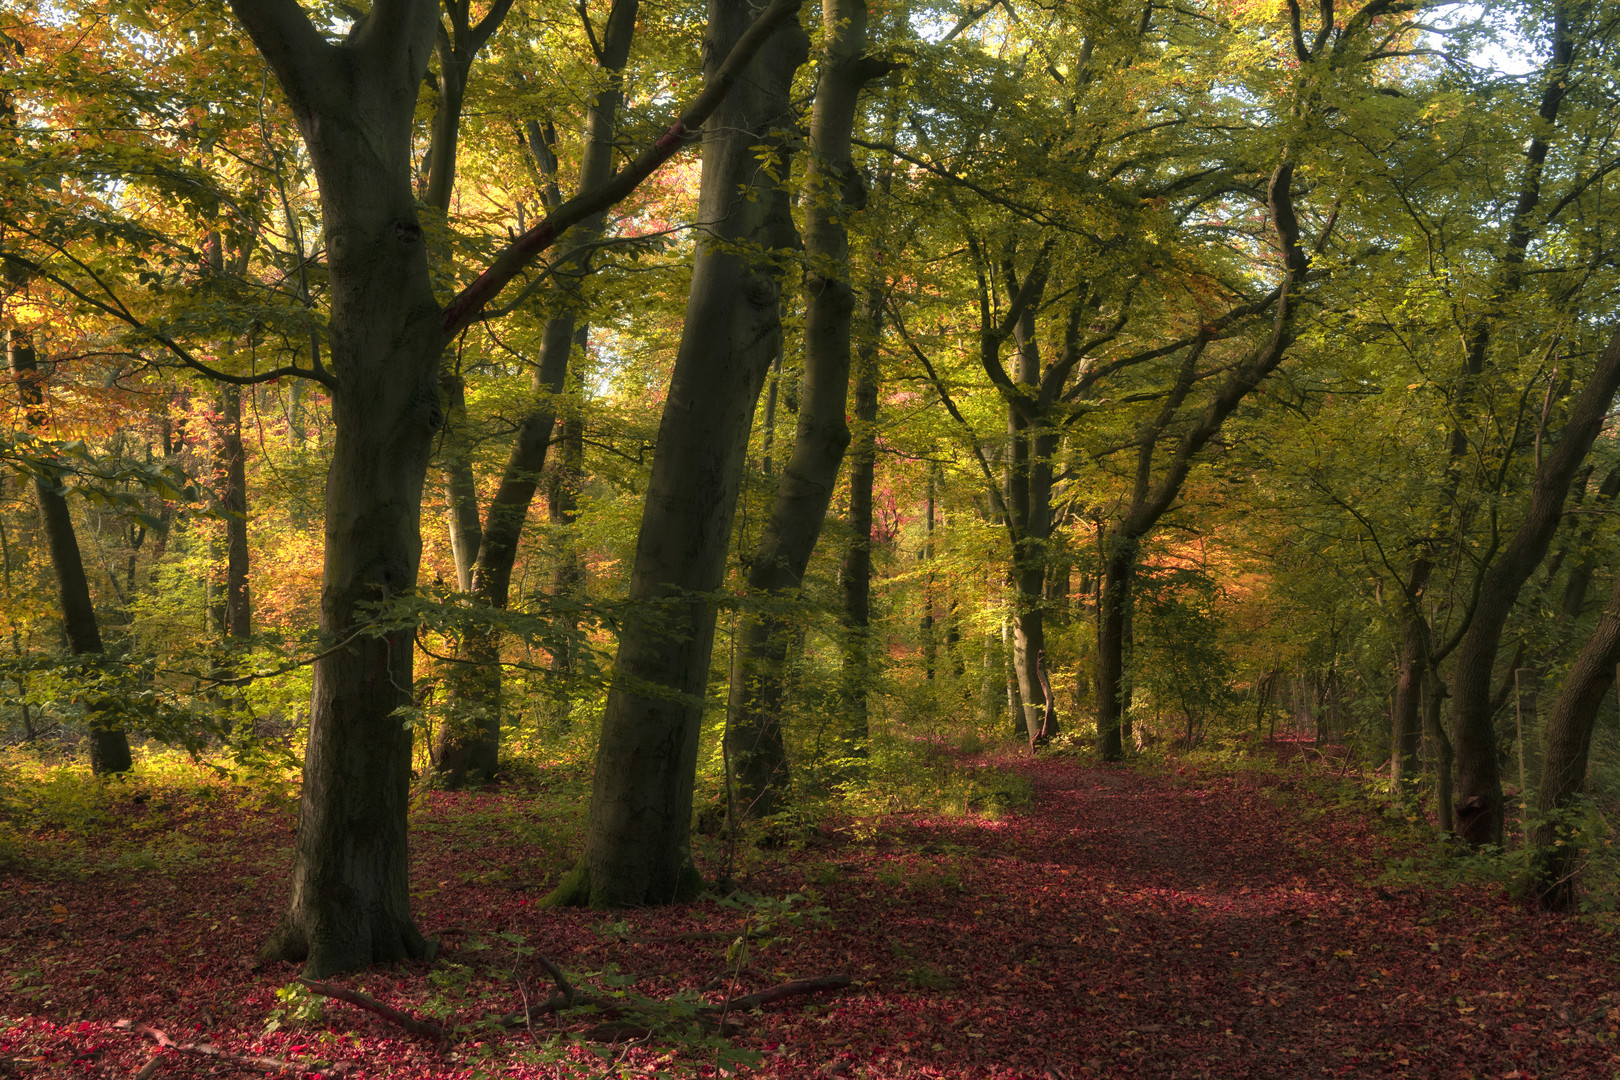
[1567, 747]
[471, 748]
[562, 503]
[637, 848]
[833, 190]
[1151, 497]
[1479, 781]
[109, 746]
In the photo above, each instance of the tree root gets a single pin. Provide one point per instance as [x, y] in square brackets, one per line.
[619, 1019]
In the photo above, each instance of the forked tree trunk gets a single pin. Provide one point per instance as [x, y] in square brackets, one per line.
[356, 103]
[1479, 781]
[109, 746]
[1568, 744]
[637, 845]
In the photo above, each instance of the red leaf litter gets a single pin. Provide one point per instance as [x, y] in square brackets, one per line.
[1122, 925]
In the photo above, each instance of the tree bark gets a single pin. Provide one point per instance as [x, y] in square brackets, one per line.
[238, 622]
[1406, 727]
[1479, 781]
[637, 837]
[109, 746]
[1568, 743]
[832, 192]
[855, 576]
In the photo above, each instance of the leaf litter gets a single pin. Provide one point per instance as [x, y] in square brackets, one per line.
[1122, 925]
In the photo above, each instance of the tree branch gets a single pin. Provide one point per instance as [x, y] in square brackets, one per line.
[469, 304]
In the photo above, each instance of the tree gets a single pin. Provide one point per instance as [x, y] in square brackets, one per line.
[637, 839]
[833, 191]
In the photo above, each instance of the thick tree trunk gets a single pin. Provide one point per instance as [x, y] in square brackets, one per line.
[356, 103]
[1479, 782]
[1568, 743]
[109, 746]
[637, 838]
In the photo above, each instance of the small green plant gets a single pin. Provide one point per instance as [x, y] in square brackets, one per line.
[299, 1005]
[924, 976]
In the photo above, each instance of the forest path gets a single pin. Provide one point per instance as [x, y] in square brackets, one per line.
[1185, 926]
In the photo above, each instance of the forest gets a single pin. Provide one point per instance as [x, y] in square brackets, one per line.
[1006, 538]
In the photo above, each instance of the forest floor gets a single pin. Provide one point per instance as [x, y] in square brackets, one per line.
[1187, 924]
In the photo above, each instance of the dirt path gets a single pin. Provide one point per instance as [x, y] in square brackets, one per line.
[1133, 927]
[1122, 926]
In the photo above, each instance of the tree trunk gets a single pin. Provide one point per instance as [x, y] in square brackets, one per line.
[832, 192]
[637, 837]
[1568, 743]
[355, 105]
[1405, 722]
[238, 622]
[855, 576]
[1479, 781]
[109, 746]
[562, 498]
[1114, 601]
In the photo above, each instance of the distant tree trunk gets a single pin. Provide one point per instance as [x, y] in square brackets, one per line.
[1479, 782]
[855, 576]
[925, 626]
[637, 837]
[469, 746]
[1406, 728]
[1568, 743]
[1114, 602]
[568, 577]
[1150, 497]
[1434, 699]
[238, 623]
[461, 487]
[109, 746]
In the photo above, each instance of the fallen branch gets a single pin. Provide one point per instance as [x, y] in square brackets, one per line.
[208, 1050]
[777, 993]
[416, 1025]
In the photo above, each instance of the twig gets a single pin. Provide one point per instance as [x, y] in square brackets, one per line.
[208, 1050]
[414, 1024]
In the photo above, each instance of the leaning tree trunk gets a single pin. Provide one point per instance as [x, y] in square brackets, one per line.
[109, 746]
[1479, 781]
[1568, 744]
[637, 845]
